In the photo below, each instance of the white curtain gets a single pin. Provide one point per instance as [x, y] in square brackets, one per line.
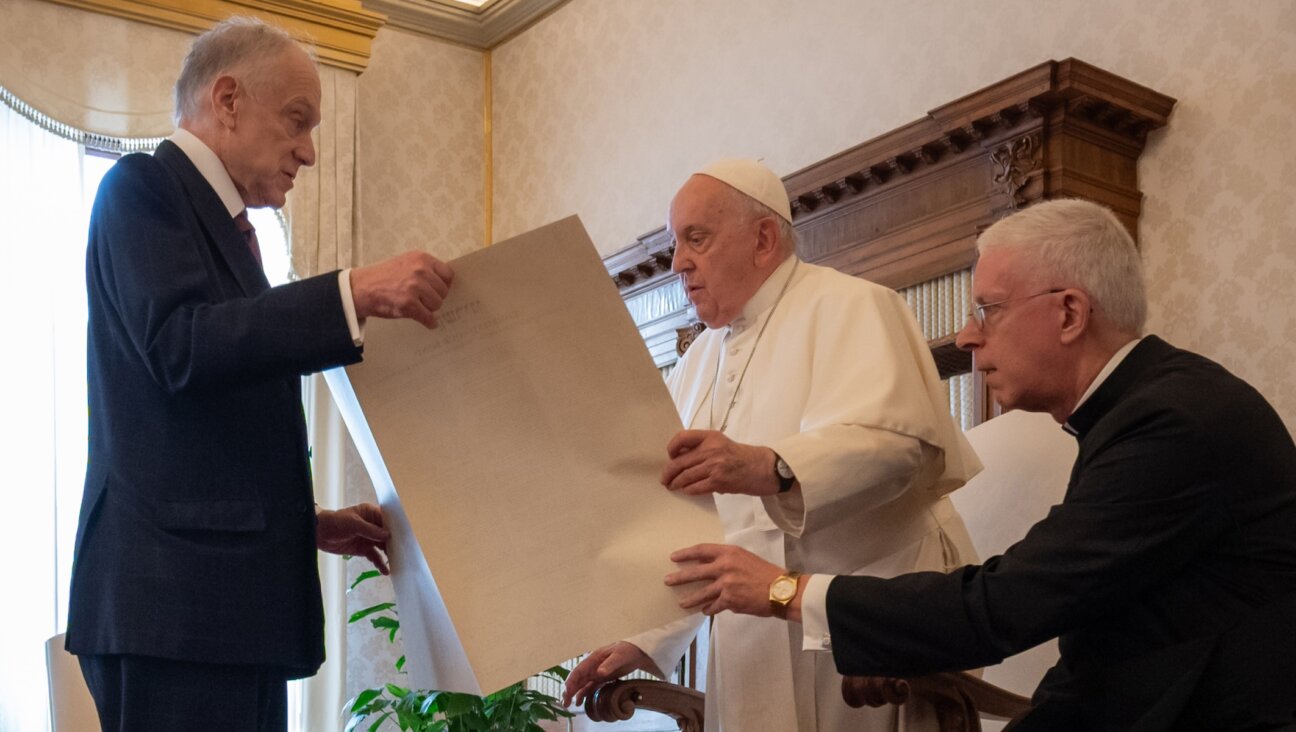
[43, 220]
[321, 220]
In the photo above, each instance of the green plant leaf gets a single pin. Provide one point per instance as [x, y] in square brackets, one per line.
[360, 614]
[400, 663]
[374, 727]
[368, 574]
[396, 691]
[363, 698]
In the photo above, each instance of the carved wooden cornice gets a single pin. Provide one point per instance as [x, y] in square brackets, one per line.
[341, 31]
[484, 27]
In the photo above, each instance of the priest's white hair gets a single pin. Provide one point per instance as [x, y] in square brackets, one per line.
[1080, 244]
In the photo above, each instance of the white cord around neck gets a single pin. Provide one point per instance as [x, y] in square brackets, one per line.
[715, 380]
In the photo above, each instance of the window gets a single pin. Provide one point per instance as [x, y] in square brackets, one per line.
[49, 175]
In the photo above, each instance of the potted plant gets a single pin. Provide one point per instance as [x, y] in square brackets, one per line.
[512, 709]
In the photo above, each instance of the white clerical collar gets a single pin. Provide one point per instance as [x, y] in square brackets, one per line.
[766, 295]
[1112, 363]
[211, 168]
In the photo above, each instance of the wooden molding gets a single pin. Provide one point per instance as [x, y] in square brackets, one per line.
[482, 28]
[341, 31]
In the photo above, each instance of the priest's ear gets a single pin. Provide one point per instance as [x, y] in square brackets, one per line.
[1077, 314]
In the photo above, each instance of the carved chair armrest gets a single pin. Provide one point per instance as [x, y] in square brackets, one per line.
[620, 699]
[960, 699]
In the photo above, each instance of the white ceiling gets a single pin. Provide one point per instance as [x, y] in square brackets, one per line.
[462, 21]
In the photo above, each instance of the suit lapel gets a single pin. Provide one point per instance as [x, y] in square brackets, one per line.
[215, 220]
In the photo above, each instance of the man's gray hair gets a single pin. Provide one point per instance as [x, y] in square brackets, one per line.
[751, 209]
[239, 45]
[1080, 244]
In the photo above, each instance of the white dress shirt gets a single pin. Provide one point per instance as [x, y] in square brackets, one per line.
[213, 171]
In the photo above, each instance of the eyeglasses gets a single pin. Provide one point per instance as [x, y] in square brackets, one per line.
[978, 312]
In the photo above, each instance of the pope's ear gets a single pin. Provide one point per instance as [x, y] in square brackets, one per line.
[767, 238]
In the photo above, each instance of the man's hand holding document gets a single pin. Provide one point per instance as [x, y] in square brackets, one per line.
[517, 450]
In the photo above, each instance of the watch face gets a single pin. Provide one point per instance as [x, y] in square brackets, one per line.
[784, 470]
[783, 589]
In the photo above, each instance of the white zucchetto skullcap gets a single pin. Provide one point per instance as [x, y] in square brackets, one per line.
[753, 180]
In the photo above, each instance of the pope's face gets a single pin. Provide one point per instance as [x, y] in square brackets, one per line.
[715, 249]
[271, 136]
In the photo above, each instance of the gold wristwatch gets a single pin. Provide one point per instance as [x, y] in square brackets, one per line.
[781, 592]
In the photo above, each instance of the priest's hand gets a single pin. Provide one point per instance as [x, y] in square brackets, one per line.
[736, 580]
[601, 666]
[706, 461]
[356, 530]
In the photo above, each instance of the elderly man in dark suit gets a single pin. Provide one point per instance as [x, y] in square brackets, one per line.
[1168, 572]
[195, 592]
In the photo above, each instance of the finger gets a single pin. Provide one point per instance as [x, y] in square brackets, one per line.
[700, 598]
[435, 283]
[691, 476]
[685, 440]
[421, 314]
[584, 692]
[444, 271]
[363, 528]
[697, 553]
[371, 512]
[430, 298]
[609, 669]
[679, 464]
[374, 556]
[702, 487]
[692, 574]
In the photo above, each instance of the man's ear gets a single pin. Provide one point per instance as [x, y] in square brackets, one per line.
[1077, 314]
[767, 239]
[226, 97]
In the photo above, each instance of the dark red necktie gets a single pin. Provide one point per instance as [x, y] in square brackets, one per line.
[249, 234]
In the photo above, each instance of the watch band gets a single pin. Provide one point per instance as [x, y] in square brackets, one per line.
[778, 608]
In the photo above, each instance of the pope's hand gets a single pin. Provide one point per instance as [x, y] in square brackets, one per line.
[601, 666]
[706, 461]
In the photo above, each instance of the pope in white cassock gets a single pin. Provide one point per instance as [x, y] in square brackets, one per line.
[815, 417]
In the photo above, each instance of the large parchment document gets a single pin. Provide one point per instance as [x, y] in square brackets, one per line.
[516, 451]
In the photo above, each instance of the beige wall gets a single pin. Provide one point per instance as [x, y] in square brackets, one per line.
[604, 107]
[420, 159]
[420, 164]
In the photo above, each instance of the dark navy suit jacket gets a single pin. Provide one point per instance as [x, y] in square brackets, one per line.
[1168, 572]
[196, 538]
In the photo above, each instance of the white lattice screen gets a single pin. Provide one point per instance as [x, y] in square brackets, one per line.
[941, 307]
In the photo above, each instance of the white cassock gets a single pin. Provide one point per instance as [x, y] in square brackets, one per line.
[841, 385]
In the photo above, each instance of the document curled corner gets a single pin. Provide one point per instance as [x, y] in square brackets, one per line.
[434, 655]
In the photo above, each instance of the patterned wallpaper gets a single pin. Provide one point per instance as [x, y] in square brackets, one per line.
[420, 160]
[604, 107]
[94, 72]
[420, 167]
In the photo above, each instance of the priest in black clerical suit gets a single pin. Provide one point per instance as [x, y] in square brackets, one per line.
[1168, 572]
